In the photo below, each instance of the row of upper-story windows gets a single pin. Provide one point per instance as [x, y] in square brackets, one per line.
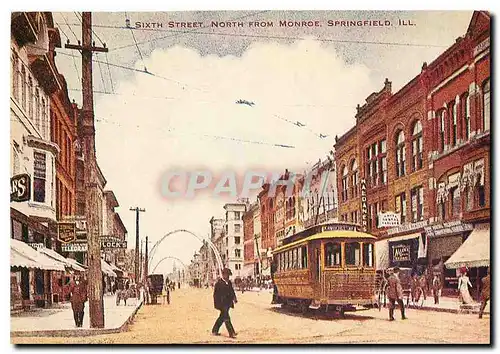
[64, 141]
[454, 121]
[30, 97]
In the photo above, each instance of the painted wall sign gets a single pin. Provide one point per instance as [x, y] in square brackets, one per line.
[74, 247]
[364, 206]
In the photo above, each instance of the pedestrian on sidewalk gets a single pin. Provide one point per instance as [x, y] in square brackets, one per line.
[224, 299]
[436, 288]
[395, 294]
[78, 291]
[485, 293]
[463, 287]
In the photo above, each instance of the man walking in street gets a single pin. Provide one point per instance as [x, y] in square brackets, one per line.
[78, 291]
[485, 293]
[436, 288]
[224, 299]
[395, 294]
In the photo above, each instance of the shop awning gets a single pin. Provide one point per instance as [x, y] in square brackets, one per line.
[76, 263]
[18, 260]
[106, 269]
[56, 256]
[37, 259]
[382, 254]
[474, 252]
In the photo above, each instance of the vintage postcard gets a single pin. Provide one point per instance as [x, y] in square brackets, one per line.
[250, 177]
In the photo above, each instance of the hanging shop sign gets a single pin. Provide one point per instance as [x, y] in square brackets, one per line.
[407, 227]
[112, 242]
[403, 253]
[20, 188]
[364, 207]
[80, 222]
[66, 232]
[448, 228]
[389, 219]
[74, 247]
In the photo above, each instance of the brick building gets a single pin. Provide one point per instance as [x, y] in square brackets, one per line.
[458, 113]
[422, 154]
[248, 241]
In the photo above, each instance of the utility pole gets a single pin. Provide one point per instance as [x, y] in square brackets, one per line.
[141, 258]
[146, 260]
[87, 130]
[137, 210]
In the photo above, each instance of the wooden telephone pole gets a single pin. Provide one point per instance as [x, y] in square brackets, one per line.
[87, 47]
[137, 210]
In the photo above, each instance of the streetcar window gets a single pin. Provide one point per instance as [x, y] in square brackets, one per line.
[287, 262]
[333, 254]
[295, 262]
[304, 257]
[368, 255]
[353, 254]
[299, 258]
[282, 261]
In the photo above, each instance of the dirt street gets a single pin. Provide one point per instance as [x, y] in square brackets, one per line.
[190, 316]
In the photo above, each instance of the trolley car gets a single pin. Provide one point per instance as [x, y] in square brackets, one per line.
[328, 265]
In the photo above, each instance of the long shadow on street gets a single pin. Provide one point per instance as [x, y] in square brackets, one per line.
[321, 315]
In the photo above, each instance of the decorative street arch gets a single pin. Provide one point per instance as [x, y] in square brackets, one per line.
[214, 249]
[168, 257]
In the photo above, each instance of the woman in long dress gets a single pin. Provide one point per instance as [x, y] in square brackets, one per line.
[463, 287]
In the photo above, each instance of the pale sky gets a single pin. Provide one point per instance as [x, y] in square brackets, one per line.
[155, 123]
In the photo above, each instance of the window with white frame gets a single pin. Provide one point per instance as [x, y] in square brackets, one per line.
[400, 204]
[39, 176]
[486, 105]
[454, 128]
[466, 115]
[400, 154]
[345, 183]
[417, 146]
[417, 203]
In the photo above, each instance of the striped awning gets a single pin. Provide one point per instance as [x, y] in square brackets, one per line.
[26, 256]
[474, 252]
[54, 255]
[106, 269]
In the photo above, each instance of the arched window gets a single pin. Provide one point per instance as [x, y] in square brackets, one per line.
[354, 179]
[43, 124]
[15, 76]
[332, 254]
[417, 146]
[36, 111]
[345, 183]
[400, 154]
[454, 128]
[23, 87]
[442, 129]
[486, 105]
[466, 115]
[30, 97]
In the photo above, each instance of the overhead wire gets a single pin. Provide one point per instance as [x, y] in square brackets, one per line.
[74, 59]
[79, 16]
[215, 137]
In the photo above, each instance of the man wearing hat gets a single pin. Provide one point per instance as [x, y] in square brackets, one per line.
[485, 293]
[395, 294]
[224, 299]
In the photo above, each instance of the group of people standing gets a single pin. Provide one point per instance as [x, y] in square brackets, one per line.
[394, 290]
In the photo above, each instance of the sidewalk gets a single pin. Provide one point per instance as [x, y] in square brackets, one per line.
[59, 321]
[449, 304]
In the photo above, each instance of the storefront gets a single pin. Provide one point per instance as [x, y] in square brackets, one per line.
[474, 255]
[31, 276]
[444, 240]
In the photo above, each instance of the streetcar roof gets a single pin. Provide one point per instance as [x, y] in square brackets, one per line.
[328, 235]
